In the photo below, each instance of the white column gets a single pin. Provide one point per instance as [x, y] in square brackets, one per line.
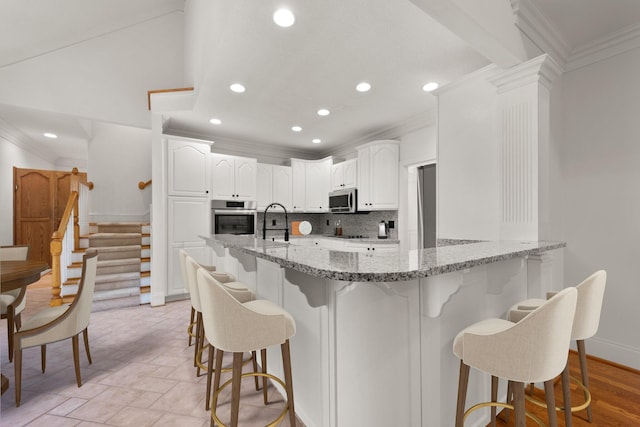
[523, 128]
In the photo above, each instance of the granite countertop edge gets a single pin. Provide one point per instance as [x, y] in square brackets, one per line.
[458, 259]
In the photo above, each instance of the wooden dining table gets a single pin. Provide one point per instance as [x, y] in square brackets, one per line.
[16, 275]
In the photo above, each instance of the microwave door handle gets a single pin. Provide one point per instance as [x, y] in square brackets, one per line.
[350, 202]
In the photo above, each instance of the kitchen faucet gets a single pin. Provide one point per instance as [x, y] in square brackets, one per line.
[286, 221]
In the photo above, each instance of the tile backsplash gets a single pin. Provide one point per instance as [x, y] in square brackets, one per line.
[365, 224]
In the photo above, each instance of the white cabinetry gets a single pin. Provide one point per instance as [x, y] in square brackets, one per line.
[188, 168]
[233, 178]
[274, 185]
[378, 175]
[311, 184]
[188, 207]
[343, 175]
[371, 247]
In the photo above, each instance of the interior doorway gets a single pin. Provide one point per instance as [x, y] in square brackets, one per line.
[39, 200]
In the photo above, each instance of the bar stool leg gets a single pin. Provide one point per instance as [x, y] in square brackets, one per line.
[551, 403]
[518, 403]
[216, 378]
[494, 398]
[195, 350]
[190, 329]
[235, 388]
[209, 375]
[263, 357]
[566, 396]
[286, 362]
[462, 393]
[200, 344]
[585, 375]
[254, 357]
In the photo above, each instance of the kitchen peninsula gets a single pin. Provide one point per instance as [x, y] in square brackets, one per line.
[374, 332]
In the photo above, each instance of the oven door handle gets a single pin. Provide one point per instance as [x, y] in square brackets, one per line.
[234, 212]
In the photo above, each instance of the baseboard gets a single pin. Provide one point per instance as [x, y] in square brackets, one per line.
[614, 353]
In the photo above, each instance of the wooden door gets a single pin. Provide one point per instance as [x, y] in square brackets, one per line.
[40, 197]
[33, 205]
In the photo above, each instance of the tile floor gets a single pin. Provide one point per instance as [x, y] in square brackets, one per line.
[142, 375]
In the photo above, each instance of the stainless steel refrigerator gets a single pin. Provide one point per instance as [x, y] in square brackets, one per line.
[427, 206]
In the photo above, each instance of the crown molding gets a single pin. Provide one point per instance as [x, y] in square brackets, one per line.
[479, 74]
[542, 69]
[533, 24]
[20, 140]
[242, 147]
[613, 44]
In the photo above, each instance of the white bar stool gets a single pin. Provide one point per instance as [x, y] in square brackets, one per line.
[244, 327]
[533, 350]
[585, 325]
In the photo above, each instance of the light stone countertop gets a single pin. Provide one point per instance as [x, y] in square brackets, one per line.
[383, 267]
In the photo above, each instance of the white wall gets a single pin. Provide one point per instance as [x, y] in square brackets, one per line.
[13, 154]
[416, 148]
[119, 158]
[600, 167]
[468, 170]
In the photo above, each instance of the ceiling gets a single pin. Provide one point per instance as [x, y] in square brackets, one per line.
[289, 73]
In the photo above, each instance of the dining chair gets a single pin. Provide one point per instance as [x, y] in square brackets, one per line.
[13, 302]
[54, 324]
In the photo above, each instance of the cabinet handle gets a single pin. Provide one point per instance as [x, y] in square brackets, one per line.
[373, 249]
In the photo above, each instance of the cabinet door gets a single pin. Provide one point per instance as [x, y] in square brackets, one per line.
[385, 248]
[189, 217]
[222, 177]
[318, 186]
[283, 186]
[265, 186]
[298, 171]
[350, 176]
[188, 167]
[384, 177]
[364, 180]
[337, 176]
[245, 178]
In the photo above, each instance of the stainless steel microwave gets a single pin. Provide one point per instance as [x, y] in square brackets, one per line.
[343, 201]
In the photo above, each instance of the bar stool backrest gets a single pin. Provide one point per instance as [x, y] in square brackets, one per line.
[589, 306]
[532, 350]
[191, 267]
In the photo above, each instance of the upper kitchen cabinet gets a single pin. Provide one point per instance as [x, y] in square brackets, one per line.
[274, 185]
[311, 184]
[233, 178]
[188, 168]
[378, 175]
[344, 175]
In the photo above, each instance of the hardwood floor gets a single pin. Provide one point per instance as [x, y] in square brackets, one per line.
[615, 394]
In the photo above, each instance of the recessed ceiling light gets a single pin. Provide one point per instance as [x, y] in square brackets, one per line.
[50, 135]
[215, 121]
[430, 86]
[237, 88]
[316, 141]
[363, 87]
[296, 128]
[284, 17]
[323, 112]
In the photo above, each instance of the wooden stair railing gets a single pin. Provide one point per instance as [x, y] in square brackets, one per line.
[142, 185]
[57, 245]
[67, 237]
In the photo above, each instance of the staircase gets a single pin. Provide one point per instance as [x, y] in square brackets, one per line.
[124, 264]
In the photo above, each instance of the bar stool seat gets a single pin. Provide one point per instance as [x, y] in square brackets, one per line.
[585, 325]
[237, 327]
[533, 350]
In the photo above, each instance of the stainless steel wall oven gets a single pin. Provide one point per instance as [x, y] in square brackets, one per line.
[233, 217]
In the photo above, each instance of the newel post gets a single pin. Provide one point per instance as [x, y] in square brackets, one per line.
[56, 250]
